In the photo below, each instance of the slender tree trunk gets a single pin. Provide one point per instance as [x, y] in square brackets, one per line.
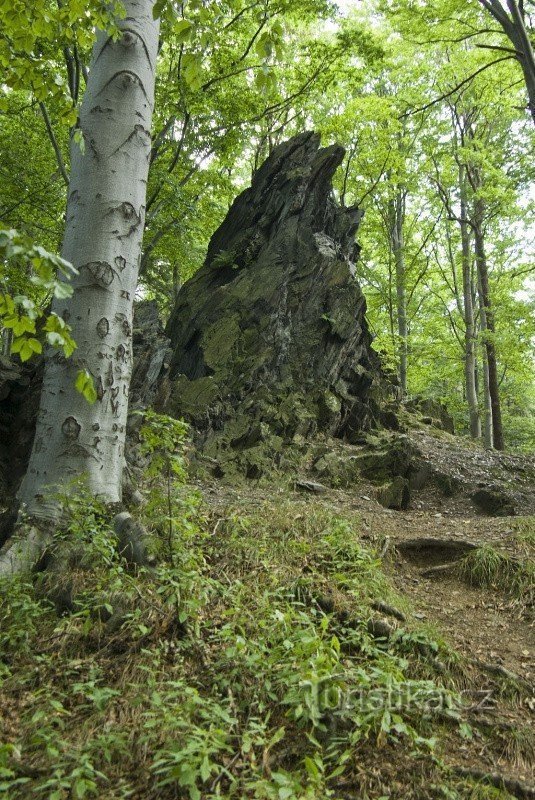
[397, 214]
[103, 236]
[490, 347]
[487, 405]
[7, 341]
[468, 309]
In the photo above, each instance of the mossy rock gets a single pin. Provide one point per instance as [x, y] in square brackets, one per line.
[396, 457]
[337, 469]
[395, 494]
[273, 325]
[495, 502]
[193, 398]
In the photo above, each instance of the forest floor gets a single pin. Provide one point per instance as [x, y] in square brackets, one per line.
[477, 604]
[287, 646]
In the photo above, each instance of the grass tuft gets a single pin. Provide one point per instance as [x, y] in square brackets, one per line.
[489, 568]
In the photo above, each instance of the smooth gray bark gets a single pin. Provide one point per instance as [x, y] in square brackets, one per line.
[487, 403]
[490, 347]
[397, 216]
[104, 229]
[23, 551]
[514, 27]
[468, 313]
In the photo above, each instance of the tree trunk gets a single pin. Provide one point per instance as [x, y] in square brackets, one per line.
[487, 405]
[515, 29]
[490, 347]
[468, 312]
[526, 58]
[105, 218]
[397, 214]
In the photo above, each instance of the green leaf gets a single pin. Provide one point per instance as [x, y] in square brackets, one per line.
[85, 385]
[55, 339]
[192, 70]
[62, 290]
[78, 137]
[55, 323]
[69, 345]
[158, 8]
[26, 348]
[205, 769]
[183, 29]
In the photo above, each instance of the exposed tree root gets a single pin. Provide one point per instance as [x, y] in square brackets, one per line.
[511, 785]
[23, 551]
[390, 611]
[500, 671]
[439, 570]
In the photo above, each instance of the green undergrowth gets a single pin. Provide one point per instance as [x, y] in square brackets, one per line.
[491, 568]
[242, 665]
[525, 535]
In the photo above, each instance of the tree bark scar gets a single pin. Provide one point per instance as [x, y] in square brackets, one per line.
[101, 272]
[131, 37]
[103, 327]
[71, 429]
[139, 135]
[129, 79]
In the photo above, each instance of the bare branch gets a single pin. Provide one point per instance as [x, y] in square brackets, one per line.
[457, 87]
[54, 142]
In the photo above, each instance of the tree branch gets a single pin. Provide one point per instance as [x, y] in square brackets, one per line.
[55, 145]
[457, 87]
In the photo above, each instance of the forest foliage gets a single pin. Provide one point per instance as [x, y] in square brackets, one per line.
[431, 104]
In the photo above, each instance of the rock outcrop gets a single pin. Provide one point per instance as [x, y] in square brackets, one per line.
[269, 338]
[20, 387]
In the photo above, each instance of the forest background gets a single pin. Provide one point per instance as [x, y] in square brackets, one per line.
[432, 104]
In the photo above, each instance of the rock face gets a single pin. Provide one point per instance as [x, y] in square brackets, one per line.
[151, 356]
[269, 337]
[20, 386]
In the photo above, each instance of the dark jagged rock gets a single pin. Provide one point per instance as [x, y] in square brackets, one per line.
[151, 356]
[270, 339]
[20, 387]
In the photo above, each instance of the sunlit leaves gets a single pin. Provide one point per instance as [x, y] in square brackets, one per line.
[192, 70]
[32, 31]
[26, 347]
[182, 29]
[22, 315]
[85, 385]
[58, 334]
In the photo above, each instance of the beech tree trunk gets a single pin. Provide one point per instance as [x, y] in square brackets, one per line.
[468, 313]
[490, 347]
[103, 237]
[487, 405]
[397, 214]
[514, 26]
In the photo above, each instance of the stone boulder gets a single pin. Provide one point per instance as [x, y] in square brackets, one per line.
[270, 340]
